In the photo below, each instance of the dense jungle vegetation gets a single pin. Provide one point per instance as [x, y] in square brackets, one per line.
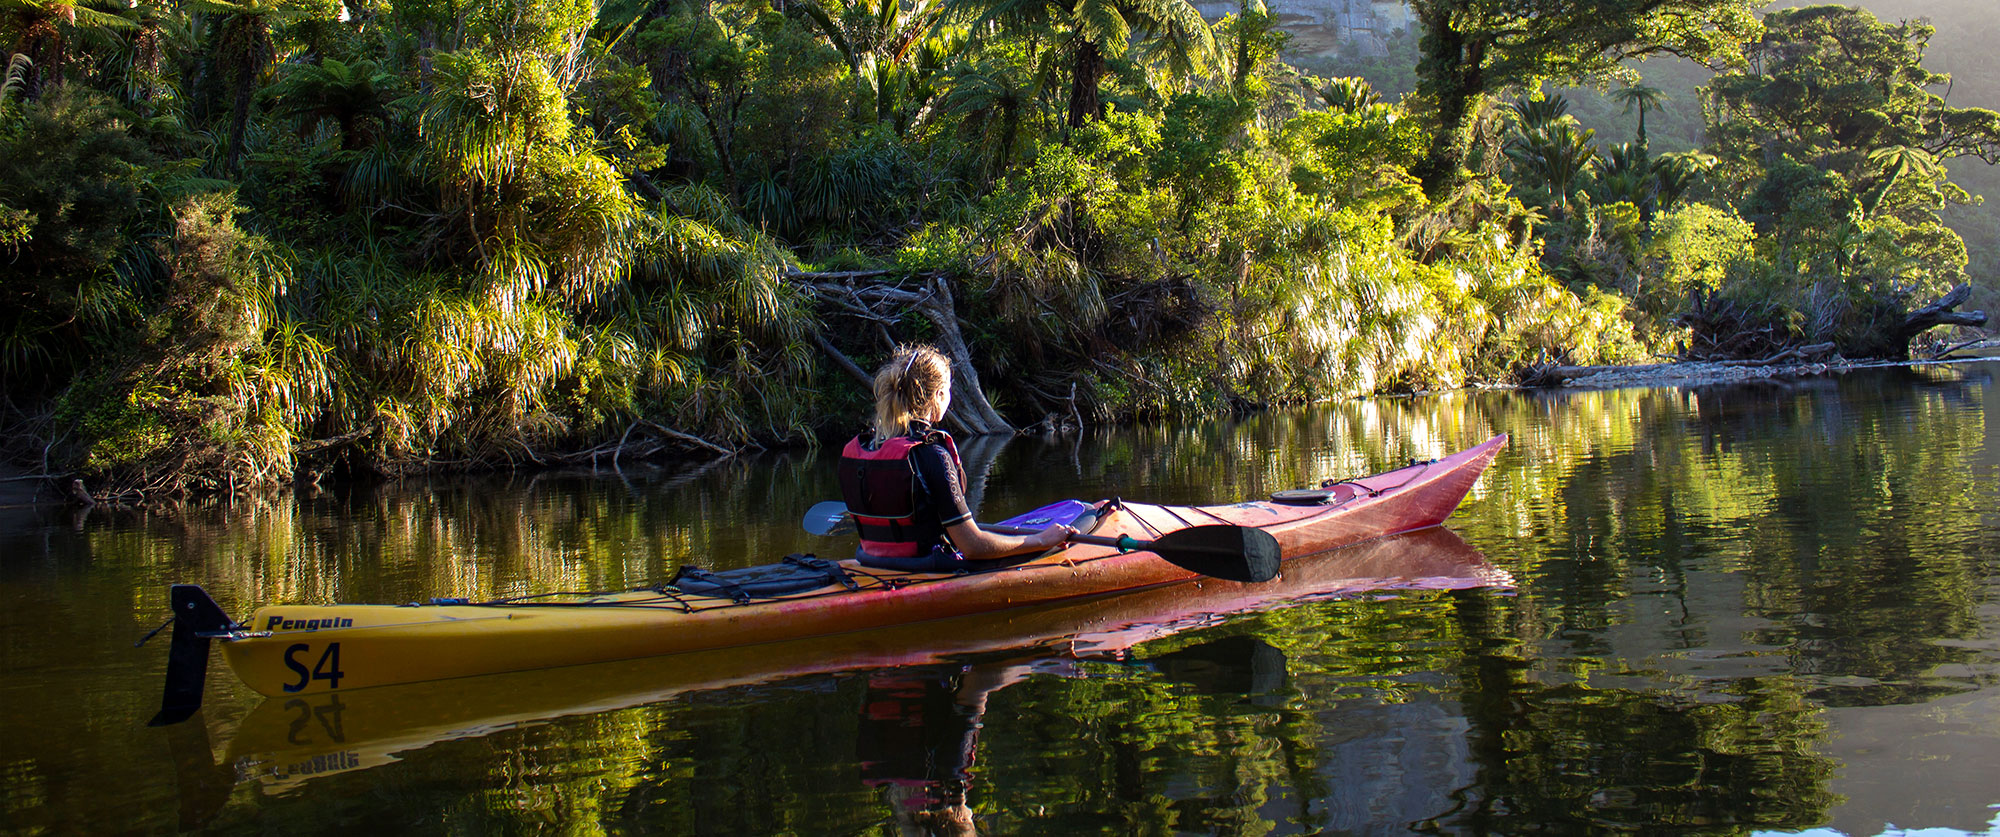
[252, 240]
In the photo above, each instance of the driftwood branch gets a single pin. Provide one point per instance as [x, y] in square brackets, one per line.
[1552, 374]
[1801, 354]
[1976, 342]
[620, 451]
[691, 439]
[42, 477]
[343, 440]
[1897, 343]
[965, 380]
[971, 412]
[841, 360]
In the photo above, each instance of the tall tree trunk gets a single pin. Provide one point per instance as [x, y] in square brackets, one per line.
[246, 73]
[1084, 104]
[1873, 199]
[1452, 78]
[239, 118]
[1010, 125]
[974, 413]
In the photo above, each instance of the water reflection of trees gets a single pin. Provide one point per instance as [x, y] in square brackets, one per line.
[1572, 756]
[1822, 537]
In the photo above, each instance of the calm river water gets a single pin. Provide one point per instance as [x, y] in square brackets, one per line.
[1764, 607]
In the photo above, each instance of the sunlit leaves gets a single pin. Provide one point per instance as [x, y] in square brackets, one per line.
[1474, 49]
[1359, 153]
[1839, 147]
[489, 116]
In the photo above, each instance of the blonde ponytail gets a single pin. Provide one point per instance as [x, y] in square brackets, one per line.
[913, 382]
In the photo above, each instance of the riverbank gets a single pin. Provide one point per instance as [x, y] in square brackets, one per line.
[1686, 373]
[19, 486]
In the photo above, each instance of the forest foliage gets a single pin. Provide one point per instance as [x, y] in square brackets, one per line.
[253, 240]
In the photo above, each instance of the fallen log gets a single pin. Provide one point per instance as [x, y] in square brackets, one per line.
[1974, 343]
[1891, 340]
[689, 438]
[322, 445]
[1942, 312]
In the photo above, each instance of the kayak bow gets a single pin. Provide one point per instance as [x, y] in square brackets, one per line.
[305, 649]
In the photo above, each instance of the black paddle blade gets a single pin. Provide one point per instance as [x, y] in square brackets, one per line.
[1236, 553]
[187, 659]
[828, 518]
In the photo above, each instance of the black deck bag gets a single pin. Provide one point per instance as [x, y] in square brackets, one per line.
[796, 574]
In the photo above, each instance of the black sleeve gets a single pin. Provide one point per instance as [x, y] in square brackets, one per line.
[940, 479]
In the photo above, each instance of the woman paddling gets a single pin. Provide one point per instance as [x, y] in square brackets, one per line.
[904, 483]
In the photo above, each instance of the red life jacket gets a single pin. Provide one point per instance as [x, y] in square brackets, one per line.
[881, 490]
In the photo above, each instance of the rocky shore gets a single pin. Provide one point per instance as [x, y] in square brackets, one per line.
[1682, 373]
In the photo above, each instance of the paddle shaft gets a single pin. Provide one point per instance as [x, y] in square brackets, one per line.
[1123, 542]
[833, 519]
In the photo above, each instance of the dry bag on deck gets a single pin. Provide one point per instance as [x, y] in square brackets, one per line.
[796, 574]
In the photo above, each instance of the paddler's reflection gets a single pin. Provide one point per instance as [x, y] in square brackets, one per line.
[920, 733]
[920, 725]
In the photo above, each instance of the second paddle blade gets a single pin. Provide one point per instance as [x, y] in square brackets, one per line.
[1237, 553]
[829, 518]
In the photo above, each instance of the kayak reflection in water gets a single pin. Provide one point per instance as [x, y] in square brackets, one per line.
[919, 732]
[905, 485]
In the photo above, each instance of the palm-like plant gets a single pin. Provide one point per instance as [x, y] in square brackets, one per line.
[1092, 32]
[894, 52]
[1897, 162]
[1531, 114]
[46, 31]
[992, 93]
[882, 28]
[136, 65]
[15, 79]
[1642, 98]
[1555, 158]
[1675, 174]
[1623, 175]
[243, 46]
[1348, 95]
[352, 95]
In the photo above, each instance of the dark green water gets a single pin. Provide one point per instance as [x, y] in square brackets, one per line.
[1756, 607]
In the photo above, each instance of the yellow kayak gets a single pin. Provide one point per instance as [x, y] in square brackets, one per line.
[287, 740]
[307, 649]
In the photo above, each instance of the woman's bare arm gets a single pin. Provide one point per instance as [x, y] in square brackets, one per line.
[978, 544]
